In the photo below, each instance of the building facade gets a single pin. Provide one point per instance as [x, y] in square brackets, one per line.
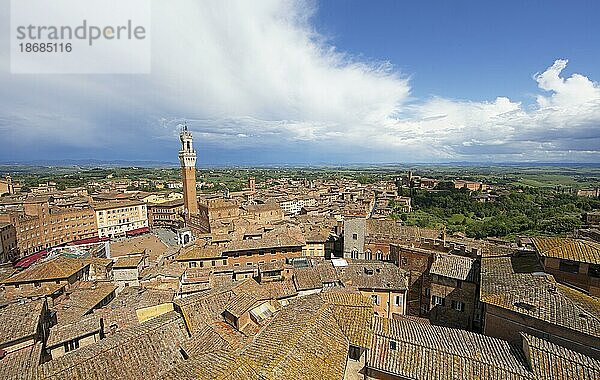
[117, 218]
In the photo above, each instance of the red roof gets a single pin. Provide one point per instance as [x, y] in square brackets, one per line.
[25, 262]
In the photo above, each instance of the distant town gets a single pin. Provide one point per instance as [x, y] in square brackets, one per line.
[324, 273]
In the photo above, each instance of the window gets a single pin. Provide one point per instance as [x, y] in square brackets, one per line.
[568, 266]
[427, 292]
[437, 301]
[398, 300]
[392, 345]
[594, 271]
[459, 284]
[354, 236]
[354, 253]
[376, 299]
[458, 305]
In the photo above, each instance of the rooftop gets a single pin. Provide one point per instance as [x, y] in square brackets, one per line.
[56, 269]
[419, 351]
[454, 266]
[538, 295]
[19, 321]
[584, 251]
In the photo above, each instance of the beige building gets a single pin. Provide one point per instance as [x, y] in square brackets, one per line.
[127, 269]
[119, 217]
[6, 186]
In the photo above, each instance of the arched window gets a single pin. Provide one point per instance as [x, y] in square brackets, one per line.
[354, 253]
[378, 255]
[368, 255]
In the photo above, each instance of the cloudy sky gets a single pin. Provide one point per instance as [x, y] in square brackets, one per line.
[328, 82]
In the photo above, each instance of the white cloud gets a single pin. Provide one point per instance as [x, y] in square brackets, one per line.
[257, 75]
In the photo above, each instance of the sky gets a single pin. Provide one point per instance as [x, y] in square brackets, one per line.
[328, 82]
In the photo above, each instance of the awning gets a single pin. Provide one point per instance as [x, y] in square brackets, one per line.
[25, 262]
[138, 231]
[88, 240]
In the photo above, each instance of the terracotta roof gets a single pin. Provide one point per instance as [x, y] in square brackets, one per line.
[418, 351]
[270, 239]
[57, 269]
[65, 332]
[373, 275]
[137, 298]
[241, 303]
[551, 361]
[302, 341]
[19, 321]
[584, 251]
[116, 204]
[197, 252]
[129, 261]
[307, 279]
[139, 352]
[79, 301]
[214, 365]
[453, 266]
[538, 296]
[353, 313]
[21, 364]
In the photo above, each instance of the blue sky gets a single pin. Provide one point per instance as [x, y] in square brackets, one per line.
[329, 82]
[474, 50]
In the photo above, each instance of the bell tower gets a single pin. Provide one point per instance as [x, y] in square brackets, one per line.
[187, 159]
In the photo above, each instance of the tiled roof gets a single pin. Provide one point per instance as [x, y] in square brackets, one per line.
[353, 313]
[307, 279]
[137, 298]
[21, 364]
[19, 320]
[303, 341]
[569, 249]
[270, 239]
[241, 303]
[551, 361]
[81, 300]
[197, 252]
[434, 352]
[129, 261]
[538, 296]
[217, 365]
[115, 204]
[204, 308]
[63, 333]
[56, 269]
[139, 352]
[453, 266]
[373, 275]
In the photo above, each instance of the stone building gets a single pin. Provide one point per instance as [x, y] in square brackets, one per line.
[127, 269]
[574, 262]
[8, 243]
[517, 300]
[383, 283]
[166, 214]
[41, 226]
[451, 292]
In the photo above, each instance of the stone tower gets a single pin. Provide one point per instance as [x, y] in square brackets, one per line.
[252, 184]
[187, 158]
